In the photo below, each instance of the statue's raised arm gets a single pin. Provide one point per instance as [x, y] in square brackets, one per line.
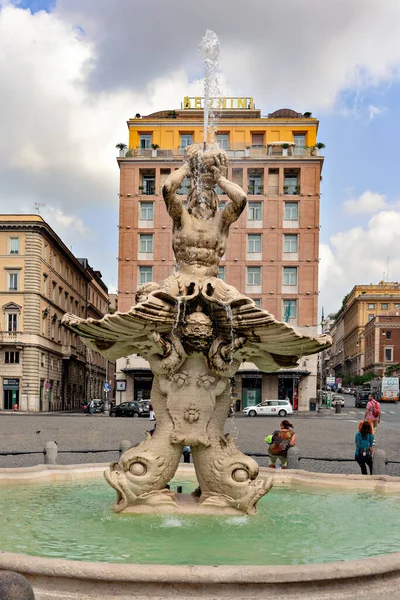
[234, 209]
[174, 181]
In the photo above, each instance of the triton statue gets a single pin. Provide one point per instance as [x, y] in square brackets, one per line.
[195, 331]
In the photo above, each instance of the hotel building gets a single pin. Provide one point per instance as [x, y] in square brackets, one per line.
[272, 251]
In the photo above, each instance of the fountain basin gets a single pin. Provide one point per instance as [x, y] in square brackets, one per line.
[60, 578]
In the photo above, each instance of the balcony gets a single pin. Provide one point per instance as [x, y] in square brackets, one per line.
[11, 337]
[238, 150]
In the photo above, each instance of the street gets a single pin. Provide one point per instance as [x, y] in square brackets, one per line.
[319, 435]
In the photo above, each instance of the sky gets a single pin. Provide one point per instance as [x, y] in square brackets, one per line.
[73, 71]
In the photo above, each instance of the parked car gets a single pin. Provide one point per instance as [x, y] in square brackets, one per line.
[337, 399]
[361, 400]
[129, 409]
[280, 408]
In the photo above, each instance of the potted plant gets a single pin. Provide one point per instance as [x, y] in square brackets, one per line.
[298, 190]
[141, 188]
[261, 189]
[319, 146]
[285, 149]
[311, 149]
[307, 115]
[247, 150]
[154, 150]
[121, 147]
[129, 153]
[285, 189]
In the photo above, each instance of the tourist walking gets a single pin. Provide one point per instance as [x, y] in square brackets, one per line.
[373, 413]
[152, 415]
[91, 407]
[279, 444]
[364, 441]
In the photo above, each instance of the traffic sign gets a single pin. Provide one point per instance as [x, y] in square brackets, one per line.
[107, 387]
[339, 380]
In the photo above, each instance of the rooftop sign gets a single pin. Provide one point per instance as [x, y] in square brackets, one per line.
[228, 103]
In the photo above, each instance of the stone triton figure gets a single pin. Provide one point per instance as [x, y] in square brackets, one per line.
[194, 330]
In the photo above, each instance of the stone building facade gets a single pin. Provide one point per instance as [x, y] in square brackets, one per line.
[272, 254]
[44, 367]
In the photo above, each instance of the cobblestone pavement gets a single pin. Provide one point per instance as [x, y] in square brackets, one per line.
[318, 436]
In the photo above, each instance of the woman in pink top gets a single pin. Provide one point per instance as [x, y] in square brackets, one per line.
[373, 413]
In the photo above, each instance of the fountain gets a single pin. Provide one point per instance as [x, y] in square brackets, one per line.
[195, 331]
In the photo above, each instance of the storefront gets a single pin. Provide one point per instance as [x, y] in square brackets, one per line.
[10, 393]
[251, 389]
[142, 386]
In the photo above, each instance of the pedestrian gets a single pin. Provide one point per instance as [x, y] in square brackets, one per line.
[373, 413]
[91, 407]
[364, 441]
[279, 443]
[186, 454]
[152, 415]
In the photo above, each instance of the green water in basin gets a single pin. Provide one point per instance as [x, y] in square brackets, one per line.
[75, 521]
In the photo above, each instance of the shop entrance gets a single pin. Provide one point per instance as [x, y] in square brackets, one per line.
[288, 388]
[10, 393]
[142, 387]
[251, 390]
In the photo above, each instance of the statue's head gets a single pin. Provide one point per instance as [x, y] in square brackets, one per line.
[205, 169]
[197, 332]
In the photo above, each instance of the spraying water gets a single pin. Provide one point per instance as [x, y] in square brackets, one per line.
[210, 47]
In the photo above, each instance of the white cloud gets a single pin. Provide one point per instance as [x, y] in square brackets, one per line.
[375, 111]
[359, 256]
[367, 203]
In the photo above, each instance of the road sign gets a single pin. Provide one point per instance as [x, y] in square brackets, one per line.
[121, 385]
[107, 387]
[330, 381]
[339, 380]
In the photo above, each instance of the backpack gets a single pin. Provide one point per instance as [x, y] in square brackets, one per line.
[279, 444]
[376, 409]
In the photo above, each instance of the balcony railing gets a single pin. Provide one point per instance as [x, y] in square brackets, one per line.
[10, 337]
[234, 150]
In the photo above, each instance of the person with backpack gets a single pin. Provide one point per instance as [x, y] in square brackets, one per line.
[279, 444]
[364, 441]
[373, 413]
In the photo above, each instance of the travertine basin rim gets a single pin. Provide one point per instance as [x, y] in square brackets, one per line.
[140, 573]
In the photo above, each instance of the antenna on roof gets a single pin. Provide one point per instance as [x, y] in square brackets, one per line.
[37, 207]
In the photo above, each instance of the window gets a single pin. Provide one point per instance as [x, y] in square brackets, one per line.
[254, 213]
[59, 296]
[42, 360]
[397, 305]
[255, 182]
[253, 275]
[147, 211]
[12, 282]
[254, 243]
[291, 211]
[11, 357]
[388, 354]
[221, 273]
[145, 275]
[370, 317]
[388, 335]
[12, 322]
[61, 267]
[54, 261]
[290, 243]
[14, 245]
[384, 306]
[146, 243]
[53, 291]
[299, 144]
[257, 140]
[149, 185]
[223, 140]
[289, 275]
[292, 182]
[371, 306]
[289, 310]
[66, 273]
[257, 302]
[145, 141]
[186, 140]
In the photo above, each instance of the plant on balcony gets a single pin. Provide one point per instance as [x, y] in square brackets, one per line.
[285, 148]
[298, 190]
[319, 146]
[250, 189]
[154, 149]
[260, 189]
[307, 115]
[121, 147]
[129, 153]
[247, 150]
[141, 188]
[285, 189]
[171, 114]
